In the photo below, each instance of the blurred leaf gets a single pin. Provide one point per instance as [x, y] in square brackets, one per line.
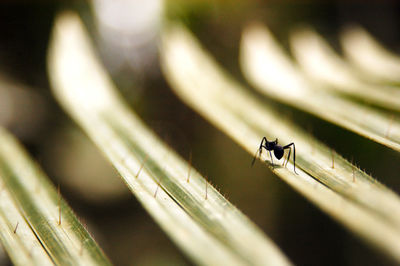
[271, 71]
[370, 56]
[321, 63]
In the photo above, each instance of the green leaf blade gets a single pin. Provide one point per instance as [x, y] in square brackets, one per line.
[48, 215]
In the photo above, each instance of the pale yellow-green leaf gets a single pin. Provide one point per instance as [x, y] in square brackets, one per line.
[346, 193]
[323, 65]
[271, 71]
[200, 221]
[17, 237]
[369, 55]
[41, 209]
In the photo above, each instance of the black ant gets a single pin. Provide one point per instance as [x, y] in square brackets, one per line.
[278, 151]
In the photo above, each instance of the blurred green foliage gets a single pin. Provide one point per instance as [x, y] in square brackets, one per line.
[120, 225]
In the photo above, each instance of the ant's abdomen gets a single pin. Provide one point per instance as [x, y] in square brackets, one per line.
[278, 152]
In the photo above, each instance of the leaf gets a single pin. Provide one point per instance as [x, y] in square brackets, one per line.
[200, 221]
[47, 230]
[17, 237]
[344, 192]
[370, 56]
[269, 69]
[320, 62]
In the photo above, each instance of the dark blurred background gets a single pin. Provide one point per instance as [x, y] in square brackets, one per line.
[128, 47]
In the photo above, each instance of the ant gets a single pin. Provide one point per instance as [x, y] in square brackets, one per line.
[278, 151]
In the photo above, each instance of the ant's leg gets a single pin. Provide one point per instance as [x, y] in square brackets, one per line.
[259, 151]
[268, 148]
[270, 155]
[288, 157]
[294, 154]
[266, 145]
